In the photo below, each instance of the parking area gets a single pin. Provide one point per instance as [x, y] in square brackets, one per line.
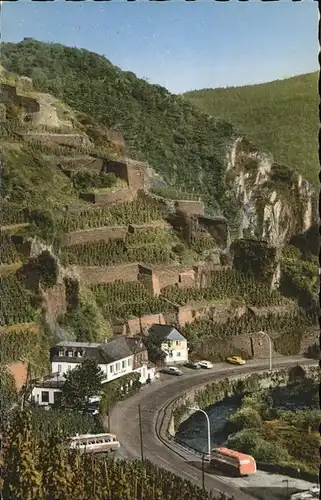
[187, 372]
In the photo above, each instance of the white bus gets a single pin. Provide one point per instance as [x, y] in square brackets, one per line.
[94, 443]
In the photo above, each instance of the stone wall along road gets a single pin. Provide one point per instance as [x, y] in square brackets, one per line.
[124, 422]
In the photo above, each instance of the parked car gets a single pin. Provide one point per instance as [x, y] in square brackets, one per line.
[193, 366]
[172, 370]
[235, 360]
[205, 364]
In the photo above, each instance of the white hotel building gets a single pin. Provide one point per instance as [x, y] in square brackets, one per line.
[116, 358]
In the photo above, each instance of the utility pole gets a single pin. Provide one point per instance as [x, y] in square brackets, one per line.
[203, 473]
[141, 434]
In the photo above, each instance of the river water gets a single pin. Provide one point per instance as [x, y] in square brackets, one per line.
[193, 432]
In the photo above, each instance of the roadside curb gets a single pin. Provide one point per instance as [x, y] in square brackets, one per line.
[165, 413]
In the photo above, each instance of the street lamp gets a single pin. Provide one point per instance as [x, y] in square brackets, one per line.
[208, 430]
[270, 348]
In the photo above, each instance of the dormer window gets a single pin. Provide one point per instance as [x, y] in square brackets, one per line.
[80, 353]
[61, 352]
[70, 353]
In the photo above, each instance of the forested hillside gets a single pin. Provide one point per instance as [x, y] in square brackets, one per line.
[180, 142]
[280, 116]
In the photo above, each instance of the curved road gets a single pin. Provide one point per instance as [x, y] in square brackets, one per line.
[124, 421]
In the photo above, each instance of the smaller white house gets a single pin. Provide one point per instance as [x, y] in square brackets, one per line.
[47, 391]
[171, 342]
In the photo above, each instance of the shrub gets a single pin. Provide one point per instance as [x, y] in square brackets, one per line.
[42, 269]
[270, 452]
[84, 181]
[288, 345]
[245, 418]
[313, 351]
[246, 441]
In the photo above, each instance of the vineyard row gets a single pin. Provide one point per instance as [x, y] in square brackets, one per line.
[136, 212]
[15, 304]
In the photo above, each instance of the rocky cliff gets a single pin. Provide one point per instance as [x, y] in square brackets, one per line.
[275, 202]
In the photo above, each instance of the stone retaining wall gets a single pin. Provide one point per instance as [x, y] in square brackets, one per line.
[109, 232]
[124, 195]
[96, 275]
[92, 235]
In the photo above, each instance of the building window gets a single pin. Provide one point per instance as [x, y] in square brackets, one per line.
[57, 398]
[60, 352]
[178, 354]
[70, 354]
[117, 367]
[111, 368]
[177, 342]
[170, 354]
[129, 362]
[45, 396]
[59, 368]
[123, 364]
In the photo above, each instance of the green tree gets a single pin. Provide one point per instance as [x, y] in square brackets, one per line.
[43, 223]
[82, 383]
[42, 269]
[271, 452]
[245, 418]
[246, 441]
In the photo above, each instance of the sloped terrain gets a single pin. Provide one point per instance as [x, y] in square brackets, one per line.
[279, 116]
[177, 140]
[192, 150]
[93, 239]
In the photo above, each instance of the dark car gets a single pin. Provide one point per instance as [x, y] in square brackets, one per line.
[193, 366]
[172, 370]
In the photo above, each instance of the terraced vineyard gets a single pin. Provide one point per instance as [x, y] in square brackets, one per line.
[272, 323]
[136, 212]
[225, 284]
[150, 236]
[123, 300]
[201, 242]
[113, 252]
[11, 214]
[15, 304]
[8, 252]
[17, 343]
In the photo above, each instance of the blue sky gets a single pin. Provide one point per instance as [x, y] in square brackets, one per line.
[180, 45]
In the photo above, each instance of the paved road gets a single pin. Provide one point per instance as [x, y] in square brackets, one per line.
[124, 421]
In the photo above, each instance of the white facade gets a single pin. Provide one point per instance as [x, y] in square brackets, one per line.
[145, 373]
[117, 369]
[111, 371]
[45, 396]
[176, 351]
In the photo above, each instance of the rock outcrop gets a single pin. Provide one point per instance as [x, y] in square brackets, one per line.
[276, 203]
